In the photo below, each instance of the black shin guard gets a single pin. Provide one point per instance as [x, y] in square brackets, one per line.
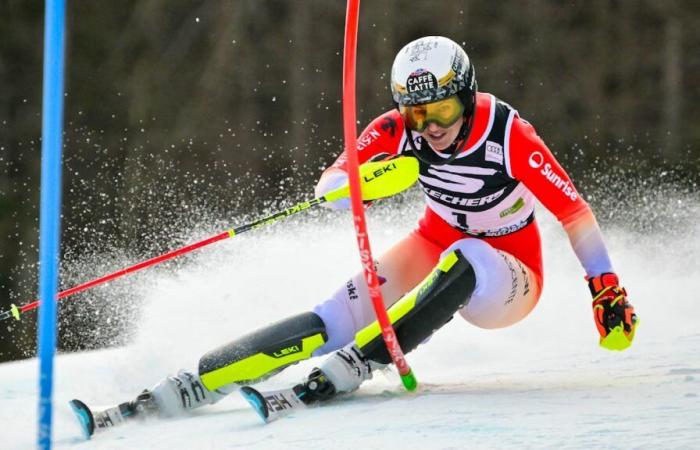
[421, 312]
[263, 353]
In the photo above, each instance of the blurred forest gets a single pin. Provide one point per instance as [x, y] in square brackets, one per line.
[177, 111]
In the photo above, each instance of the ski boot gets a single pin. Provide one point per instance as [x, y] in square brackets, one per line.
[173, 396]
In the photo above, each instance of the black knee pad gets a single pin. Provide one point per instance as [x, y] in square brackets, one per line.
[421, 312]
[263, 353]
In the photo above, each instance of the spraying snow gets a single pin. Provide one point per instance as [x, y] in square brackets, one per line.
[541, 383]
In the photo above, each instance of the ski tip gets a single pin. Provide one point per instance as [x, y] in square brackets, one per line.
[84, 415]
[257, 401]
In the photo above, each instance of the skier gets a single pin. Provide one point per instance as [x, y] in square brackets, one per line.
[476, 250]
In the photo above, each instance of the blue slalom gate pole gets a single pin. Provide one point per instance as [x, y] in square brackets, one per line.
[50, 209]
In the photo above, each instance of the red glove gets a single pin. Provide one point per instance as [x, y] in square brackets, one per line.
[613, 314]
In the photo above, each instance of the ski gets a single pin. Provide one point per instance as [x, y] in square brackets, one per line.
[272, 405]
[84, 416]
[92, 421]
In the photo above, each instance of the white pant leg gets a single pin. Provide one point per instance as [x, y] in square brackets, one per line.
[506, 290]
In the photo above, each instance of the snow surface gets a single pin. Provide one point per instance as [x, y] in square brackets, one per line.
[541, 383]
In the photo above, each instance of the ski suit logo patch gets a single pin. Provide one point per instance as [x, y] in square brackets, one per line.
[560, 183]
[536, 160]
[367, 139]
[494, 152]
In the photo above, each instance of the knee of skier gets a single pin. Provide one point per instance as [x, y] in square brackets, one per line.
[479, 254]
[504, 293]
[482, 257]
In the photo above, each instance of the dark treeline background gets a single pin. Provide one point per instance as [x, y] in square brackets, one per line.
[179, 111]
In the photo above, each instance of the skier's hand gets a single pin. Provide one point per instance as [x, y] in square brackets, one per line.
[613, 314]
[330, 181]
[337, 178]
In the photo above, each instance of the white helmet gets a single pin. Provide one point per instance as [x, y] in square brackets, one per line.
[432, 68]
[427, 70]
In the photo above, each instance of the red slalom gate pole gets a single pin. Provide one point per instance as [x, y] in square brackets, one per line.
[358, 210]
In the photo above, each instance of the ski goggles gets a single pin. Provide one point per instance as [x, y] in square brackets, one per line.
[444, 113]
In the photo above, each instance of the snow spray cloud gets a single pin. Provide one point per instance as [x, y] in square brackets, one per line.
[656, 226]
[126, 211]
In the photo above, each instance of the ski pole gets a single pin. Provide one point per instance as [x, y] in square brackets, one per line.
[355, 173]
[379, 180]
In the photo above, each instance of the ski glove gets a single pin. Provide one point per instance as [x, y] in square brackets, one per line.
[613, 314]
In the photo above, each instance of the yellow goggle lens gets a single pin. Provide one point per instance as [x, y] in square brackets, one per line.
[444, 113]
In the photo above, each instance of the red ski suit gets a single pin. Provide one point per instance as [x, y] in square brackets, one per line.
[483, 203]
[529, 162]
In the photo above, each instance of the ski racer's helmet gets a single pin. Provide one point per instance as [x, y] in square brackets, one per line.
[429, 70]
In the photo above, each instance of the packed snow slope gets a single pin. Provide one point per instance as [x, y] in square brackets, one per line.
[541, 383]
